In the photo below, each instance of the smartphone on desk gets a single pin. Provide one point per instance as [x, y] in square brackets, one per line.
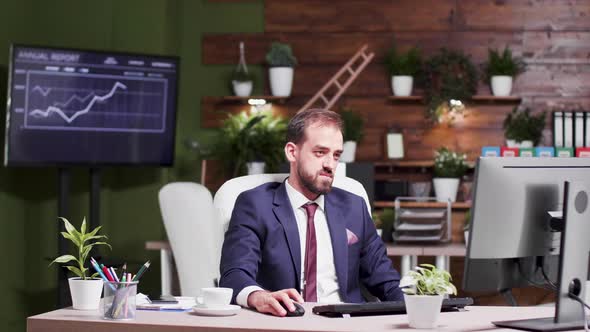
[163, 299]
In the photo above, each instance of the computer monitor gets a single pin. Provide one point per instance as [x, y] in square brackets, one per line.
[512, 241]
[83, 107]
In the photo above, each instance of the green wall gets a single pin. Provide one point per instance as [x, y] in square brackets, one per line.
[129, 210]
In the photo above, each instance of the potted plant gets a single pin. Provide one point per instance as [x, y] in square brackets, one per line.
[423, 290]
[500, 70]
[449, 167]
[252, 143]
[523, 130]
[466, 225]
[403, 67]
[353, 134]
[85, 289]
[242, 80]
[385, 220]
[281, 60]
[450, 78]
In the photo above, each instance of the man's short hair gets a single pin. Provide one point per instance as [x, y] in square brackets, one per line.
[306, 118]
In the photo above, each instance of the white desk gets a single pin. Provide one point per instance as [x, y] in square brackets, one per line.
[408, 253]
[475, 318]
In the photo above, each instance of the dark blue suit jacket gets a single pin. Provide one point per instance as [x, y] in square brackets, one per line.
[261, 245]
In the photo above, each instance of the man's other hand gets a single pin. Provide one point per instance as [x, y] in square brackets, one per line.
[268, 302]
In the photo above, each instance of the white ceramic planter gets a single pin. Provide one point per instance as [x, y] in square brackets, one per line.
[501, 85]
[281, 81]
[445, 189]
[85, 293]
[402, 85]
[348, 152]
[256, 167]
[423, 310]
[242, 89]
[514, 144]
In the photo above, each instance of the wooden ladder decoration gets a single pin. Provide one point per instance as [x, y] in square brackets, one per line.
[328, 101]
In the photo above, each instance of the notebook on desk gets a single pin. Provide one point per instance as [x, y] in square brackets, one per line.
[383, 308]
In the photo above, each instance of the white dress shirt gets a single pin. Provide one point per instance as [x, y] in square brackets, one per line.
[327, 281]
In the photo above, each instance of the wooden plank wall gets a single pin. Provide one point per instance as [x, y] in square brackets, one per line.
[553, 36]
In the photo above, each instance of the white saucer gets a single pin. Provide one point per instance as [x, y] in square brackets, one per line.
[226, 310]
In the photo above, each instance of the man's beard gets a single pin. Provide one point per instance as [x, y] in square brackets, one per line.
[308, 182]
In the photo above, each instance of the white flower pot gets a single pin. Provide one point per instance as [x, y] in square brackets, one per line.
[501, 85]
[445, 189]
[423, 310]
[402, 85]
[348, 152]
[85, 293]
[256, 167]
[466, 235]
[281, 81]
[242, 89]
[514, 144]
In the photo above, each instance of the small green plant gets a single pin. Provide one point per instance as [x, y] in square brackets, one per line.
[246, 137]
[467, 220]
[353, 125]
[449, 76]
[240, 75]
[502, 64]
[428, 280]
[84, 241]
[408, 63]
[280, 55]
[522, 126]
[449, 164]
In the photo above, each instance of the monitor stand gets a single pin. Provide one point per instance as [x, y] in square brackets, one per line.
[540, 324]
[573, 266]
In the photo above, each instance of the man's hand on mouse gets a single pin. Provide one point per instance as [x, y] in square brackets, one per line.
[268, 302]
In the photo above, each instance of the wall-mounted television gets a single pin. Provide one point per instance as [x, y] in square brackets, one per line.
[81, 107]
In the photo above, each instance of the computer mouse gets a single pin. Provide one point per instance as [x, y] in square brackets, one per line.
[299, 311]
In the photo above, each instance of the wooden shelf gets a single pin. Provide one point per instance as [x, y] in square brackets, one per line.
[404, 163]
[238, 99]
[476, 98]
[391, 204]
[411, 163]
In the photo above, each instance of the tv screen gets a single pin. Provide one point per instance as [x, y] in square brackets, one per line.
[79, 107]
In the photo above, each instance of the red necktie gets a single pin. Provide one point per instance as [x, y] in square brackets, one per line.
[309, 289]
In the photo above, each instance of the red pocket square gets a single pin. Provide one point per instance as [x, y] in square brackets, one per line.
[351, 237]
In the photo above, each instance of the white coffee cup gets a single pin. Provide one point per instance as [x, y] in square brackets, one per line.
[215, 296]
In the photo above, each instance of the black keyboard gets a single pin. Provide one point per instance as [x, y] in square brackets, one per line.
[383, 308]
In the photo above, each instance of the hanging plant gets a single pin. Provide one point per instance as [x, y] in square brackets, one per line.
[450, 78]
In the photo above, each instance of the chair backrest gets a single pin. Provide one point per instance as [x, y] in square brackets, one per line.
[226, 196]
[194, 232]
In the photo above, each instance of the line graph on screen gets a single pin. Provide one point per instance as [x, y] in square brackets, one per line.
[94, 102]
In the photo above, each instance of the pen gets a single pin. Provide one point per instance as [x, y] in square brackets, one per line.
[97, 268]
[106, 272]
[142, 270]
[113, 274]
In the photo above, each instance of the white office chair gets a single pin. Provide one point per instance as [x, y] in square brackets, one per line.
[194, 233]
[226, 196]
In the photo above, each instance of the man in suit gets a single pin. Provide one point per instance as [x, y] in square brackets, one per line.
[303, 237]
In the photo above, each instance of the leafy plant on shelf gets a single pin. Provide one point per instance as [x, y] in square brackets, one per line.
[427, 279]
[449, 164]
[408, 63]
[502, 64]
[280, 55]
[520, 125]
[449, 79]
[258, 136]
[84, 241]
[353, 125]
[242, 75]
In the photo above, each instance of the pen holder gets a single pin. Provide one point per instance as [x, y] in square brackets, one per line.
[119, 300]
